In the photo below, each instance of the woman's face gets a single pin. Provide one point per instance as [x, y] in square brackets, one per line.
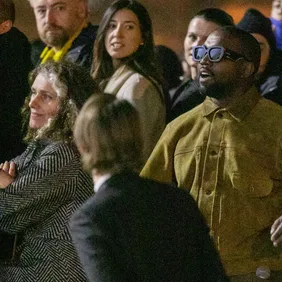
[123, 36]
[44, 103]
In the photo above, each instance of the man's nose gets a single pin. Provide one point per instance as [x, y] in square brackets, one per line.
[49, 17]
[205, 60]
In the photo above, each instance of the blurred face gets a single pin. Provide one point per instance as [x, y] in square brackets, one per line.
[276, 11]
[58, 20]
[44, 103]
[123, 36]
[197, 33]
[218, 79]
[265, 51]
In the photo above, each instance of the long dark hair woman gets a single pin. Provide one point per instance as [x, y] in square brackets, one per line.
[125, 65]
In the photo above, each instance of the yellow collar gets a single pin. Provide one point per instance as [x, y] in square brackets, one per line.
[50, 53]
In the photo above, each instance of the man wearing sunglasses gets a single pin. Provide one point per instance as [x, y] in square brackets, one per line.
[228, 153]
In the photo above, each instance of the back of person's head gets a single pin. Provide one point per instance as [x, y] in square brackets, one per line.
[215, 15]
[170, 66]
[254, 21]
[143, 60]
[107, 133]
[74, 85]
[248, 44]
[7, 11]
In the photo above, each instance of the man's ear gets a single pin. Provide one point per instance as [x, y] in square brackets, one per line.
[82, 9]
[247, 69]
[5, 26]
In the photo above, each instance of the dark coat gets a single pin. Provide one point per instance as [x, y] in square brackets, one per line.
[15, 65]
[81, 50]
[50, 186]
[270, 83]
[135, 229]
[186, 97]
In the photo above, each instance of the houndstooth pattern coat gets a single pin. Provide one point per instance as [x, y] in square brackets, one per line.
[50, 185]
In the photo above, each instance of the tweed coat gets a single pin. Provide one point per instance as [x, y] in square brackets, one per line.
[50, 185]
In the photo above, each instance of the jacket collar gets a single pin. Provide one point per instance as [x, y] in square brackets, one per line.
[118, 79]
[238, 108]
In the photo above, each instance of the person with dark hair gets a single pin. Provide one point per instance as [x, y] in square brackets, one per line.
[126, 66]
[171, 68]
[227, 152]
[276, 20]
[171, 71]
[187, 96]
[269, 75]
[41, 188]
[134, 229]
[15, 65]
[64, 28]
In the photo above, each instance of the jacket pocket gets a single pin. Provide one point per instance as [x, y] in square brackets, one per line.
[254, 187]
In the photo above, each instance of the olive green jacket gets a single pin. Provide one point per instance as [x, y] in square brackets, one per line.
[231, 161]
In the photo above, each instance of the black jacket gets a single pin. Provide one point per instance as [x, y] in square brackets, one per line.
[81, 51]
[185, 98]
[136, 229]
[15, 65]
[270, 83]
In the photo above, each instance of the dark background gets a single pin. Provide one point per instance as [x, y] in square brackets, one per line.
[170, 17]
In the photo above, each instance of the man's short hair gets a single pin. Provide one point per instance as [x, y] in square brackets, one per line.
[217, 16]
[107, 131]
[7, 11]
[250, 47]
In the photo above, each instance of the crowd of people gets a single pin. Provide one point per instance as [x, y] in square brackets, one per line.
[117, 164]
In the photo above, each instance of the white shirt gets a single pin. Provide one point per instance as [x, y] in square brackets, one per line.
[101, 180]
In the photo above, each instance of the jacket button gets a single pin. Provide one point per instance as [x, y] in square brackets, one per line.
[208, 192]
[213, 153]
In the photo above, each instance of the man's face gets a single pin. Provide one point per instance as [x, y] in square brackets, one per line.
[58, 20]
[218, 79]
[276, 11]
[197, 33]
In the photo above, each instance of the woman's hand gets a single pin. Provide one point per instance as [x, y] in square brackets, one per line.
[7, 173]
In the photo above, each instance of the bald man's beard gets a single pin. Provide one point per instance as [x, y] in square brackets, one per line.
[54, 36]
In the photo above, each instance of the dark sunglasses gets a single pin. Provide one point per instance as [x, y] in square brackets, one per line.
[215, 54]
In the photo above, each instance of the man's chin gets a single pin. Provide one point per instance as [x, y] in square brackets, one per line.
[214, 91]
[55, 40]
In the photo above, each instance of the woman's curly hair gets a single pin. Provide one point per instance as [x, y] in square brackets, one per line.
[73, 85]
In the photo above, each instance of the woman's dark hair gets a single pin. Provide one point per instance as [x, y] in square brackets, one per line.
[171, 67]
[217, 16]
[143, 61]
[73, 85]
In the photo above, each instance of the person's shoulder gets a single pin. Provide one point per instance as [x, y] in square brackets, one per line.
[62, 149]
[141, 84]
[187, 119]
[88, 33]
[16, 34]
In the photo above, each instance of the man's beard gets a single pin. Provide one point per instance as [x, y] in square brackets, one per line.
[54, 39]
[215, 90]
